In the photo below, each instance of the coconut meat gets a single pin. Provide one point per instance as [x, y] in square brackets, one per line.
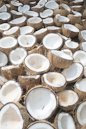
[11, 31]
[83, 46]
[52, 41]
[17, 56]
[54, 79]
[10, 92]
[10, 117]
[5, 16]
[73, 72]
[18, 20]
[40, 103]
[26, 30]
[71, 27]
[37, 62]
[65, 121]
[71, 44]
[26, 40]
[51, 5]
[8, 42]
[83, 34]
[3, 59]
[41, 125]
[81, 113]
[68, 98]
[4, 26]
[62, 18]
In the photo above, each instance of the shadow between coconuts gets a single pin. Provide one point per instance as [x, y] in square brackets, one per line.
[49, 118]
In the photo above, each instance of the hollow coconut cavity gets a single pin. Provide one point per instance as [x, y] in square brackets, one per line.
[10, 92]
[52, 41]
[17, 56]
[54, 80]
[67, 98]
[41, 103]
[73, 72]
[71, 27]
[3, 59]
[81, 113]
[26, 41]
[10, 117]
[64, 121]
[80, 56]
[40, 124]
[37, 63]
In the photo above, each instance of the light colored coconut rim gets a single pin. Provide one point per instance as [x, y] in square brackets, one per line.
[39, 86]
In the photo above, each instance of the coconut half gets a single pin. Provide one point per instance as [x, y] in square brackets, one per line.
[73, 72]
[80, 56]
[10, 92]
[62, 121]
[81, 114]
[48, 21]
[70, 30]
[37, 63]
[83, 46]
[7, 44]
[46, 13]
[4, 27]
[5, 16]
[26, 30]
[82, 36]
[27, 41]
[3, 59]
[60, 59]
[52, 41]
[31, 14]
[54, 80]
[51, 5]
[80, 88]
[23, 8]
[10, 117]
[68, 99]
[41, 124]
[17, 56]
[41, 103]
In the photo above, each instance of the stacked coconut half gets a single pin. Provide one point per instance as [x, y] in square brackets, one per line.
[42, 64]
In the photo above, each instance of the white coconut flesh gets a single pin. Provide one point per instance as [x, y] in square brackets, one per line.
[83, 34]
[66, 7]
[46, 13]
[31, 13]
[65, 121]
[68, 51]
[67, 98]
[62, 54]
[81, 113]
[62, 18]
[11, 31]
[40, 125]
[48, 20]
[16, 3]
[34, 20]
[52, 41]
[10, 117]
[4, 26]
[18, 20]
[26, 30]
[71, 27]
[8, 42]
[71, 44]
[54, 79]
[3, 59]
[83, 46]
[37, 62]
[10, 92]
[17, 56]
[26, 41]
[5, 16]
[23, 8]
[14, 12]
[80, 56]
[41, 103]
[3, 8]
[80, 85]
[51, 5]
[73, 72]
[77, 14]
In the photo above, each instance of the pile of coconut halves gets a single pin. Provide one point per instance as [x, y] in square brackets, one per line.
[43, 64]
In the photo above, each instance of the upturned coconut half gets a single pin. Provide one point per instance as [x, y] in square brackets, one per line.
[64, 121]
[37, 63]
[3, 59]
[54, 80]
[7, 44]
[17, 56]
[82, 36]
[80, 88]
[70, 30]
[73, 72]
[52, 41]
[4, 27]
[41, 124]
[4, 16]
[81, 113]
[60, 59]
[27, 41]
[41, 103]
[46, 13]
[80, 56]
[26, 30]
[51, 5]
[10, 117]
[10, 92]
[68, 99]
